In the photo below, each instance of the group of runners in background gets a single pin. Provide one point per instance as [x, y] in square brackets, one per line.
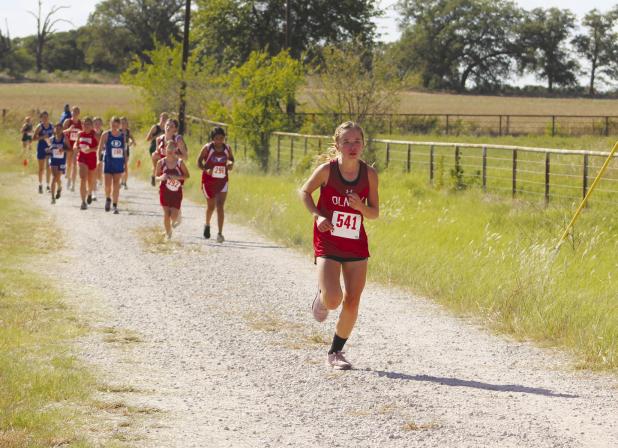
[75, 146]
[348, 194]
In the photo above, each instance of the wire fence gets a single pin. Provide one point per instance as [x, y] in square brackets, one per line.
[546, 174]
[477, 124]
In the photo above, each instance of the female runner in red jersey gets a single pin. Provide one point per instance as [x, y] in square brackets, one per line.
[215, 161]
[72, 127]
[348, 195]
[97, 123]
[171, 172]
[171, 129]
[87, 145]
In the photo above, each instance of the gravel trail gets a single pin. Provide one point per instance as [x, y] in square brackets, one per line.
[215, 345]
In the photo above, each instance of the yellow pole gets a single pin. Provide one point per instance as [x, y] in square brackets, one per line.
[583, 203]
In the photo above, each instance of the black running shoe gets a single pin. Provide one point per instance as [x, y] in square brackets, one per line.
[152, 181]
[58, 193]
[89, 199]
[116, 211]
[40, 189]
[108, 204]
[207, 232]
[84, 206]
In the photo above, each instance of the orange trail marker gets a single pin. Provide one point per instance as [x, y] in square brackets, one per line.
[139, 163]
[25, 162]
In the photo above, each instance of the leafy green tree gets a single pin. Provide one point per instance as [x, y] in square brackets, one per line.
[599, 46]
[544, 35]
[63, 53]
[453, 42]
[229, 30]
[118, 29]
[260, 90]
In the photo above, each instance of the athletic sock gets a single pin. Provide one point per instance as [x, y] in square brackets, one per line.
[337, 344]
[115, 205]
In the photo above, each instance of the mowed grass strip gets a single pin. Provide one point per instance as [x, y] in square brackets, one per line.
[43, 387]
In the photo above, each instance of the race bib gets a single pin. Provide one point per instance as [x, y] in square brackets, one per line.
[57, 153]
[84, 147]
[173, 184]
[218, 172]
[74, 135]
[117, 153]
[347, 225]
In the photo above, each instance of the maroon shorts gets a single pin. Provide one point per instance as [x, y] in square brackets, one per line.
[89, 159]
[171, 199]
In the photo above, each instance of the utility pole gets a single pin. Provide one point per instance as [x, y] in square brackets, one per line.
[185, 58]
[291, 104]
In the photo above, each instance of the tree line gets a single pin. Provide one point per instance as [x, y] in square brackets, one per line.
[459, 45]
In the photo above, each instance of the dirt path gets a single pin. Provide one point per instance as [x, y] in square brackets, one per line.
[226, 354]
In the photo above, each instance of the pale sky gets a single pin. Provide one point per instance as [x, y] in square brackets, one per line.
[20, 23]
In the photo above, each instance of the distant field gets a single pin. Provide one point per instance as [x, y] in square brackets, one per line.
[22, 99]
[443, 103]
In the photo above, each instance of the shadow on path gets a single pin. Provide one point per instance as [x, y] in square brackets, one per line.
[456, 382]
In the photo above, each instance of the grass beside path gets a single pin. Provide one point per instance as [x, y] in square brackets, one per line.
[481, 255]
[45, 391]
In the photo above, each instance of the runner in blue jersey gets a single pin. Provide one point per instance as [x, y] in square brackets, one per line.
[42, 134]
[113, 146]
[58, 146]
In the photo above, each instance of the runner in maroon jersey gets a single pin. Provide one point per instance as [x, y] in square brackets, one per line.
[87, 145]
[72, 127]
[348, 195]
[215, 161]
[171, 171]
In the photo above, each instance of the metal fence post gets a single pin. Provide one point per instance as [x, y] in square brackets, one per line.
[500, 126]
[278, 151]
[585, 179]
[553, 125]
[409, 159]
[514, 172]
[291, 151]
[305, 145]
[388, 153]
[447, 124]
[485, 168]
[546, 178]
[606, 126]
[431, 156]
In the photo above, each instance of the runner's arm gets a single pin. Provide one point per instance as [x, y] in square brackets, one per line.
[102, 144]
[370, 210]
[317, 179]
[159, 171]
[150, 134]
[182, 147]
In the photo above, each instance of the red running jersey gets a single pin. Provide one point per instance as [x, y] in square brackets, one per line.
[73, 133]
[348, 239]
[217, 162]
[87, 141]
[162, 144]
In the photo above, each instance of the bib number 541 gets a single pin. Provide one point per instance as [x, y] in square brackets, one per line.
[346, 225]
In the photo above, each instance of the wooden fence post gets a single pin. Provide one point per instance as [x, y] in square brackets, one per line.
[431, 156]
[606, 126]
[484, 168]
[514, 172]
[500, 126]
[409, 159]
[319, 146]
[305, 145]
[553, 125]
[546, 178]
[447, 124]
